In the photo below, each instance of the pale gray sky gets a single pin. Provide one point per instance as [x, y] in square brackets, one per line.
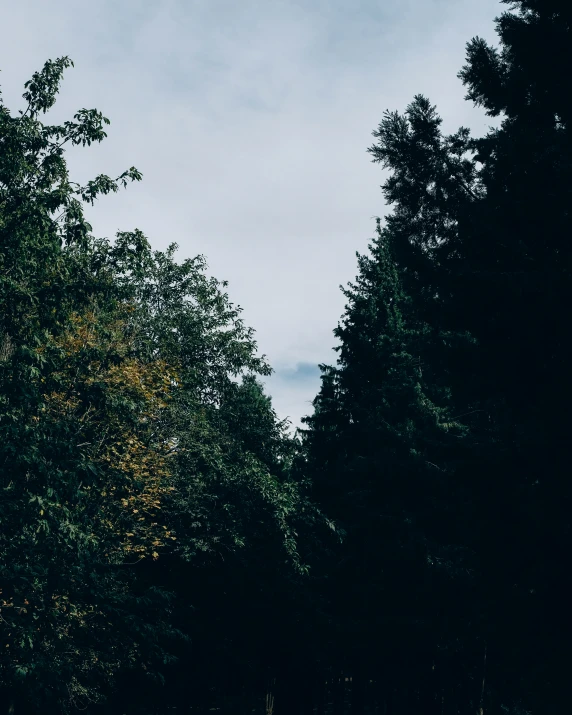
[250, 121]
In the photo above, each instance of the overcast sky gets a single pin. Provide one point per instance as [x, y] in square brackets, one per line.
[250, 121]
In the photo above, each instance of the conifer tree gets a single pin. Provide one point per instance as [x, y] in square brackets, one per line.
[478, 242]
[382, 446]
[511, 278]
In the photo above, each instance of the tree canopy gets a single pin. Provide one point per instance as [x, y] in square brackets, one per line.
[168, 545]
[133, 425]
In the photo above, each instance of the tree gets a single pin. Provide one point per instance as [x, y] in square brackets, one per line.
[477, 243]
[512, 274]
[237, 512]
[383, 445]
[136, 441]
[82, 470]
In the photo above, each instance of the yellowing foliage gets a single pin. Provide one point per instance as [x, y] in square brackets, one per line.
[117, 404]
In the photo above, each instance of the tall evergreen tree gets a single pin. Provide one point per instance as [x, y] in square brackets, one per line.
[383, 445]
[512, 275]
[477, 236]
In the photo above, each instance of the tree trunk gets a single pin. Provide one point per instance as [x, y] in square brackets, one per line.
[269, 703]
[481, 709]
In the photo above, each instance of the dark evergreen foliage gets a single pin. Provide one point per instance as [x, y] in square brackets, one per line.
[478, 240]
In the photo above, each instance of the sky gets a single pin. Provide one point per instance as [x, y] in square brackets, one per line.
[250, 122]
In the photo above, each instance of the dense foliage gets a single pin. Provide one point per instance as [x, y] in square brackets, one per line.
[166, 544]
[133, 427]
[439, 438]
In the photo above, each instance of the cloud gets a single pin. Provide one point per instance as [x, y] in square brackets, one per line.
[302, 372]
[250, 122]
[293, 388]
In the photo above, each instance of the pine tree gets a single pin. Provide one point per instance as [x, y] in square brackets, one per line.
[478, 243]
[511, 283]
[382, 447]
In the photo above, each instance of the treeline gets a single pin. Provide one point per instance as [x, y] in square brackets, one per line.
[166, 544]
